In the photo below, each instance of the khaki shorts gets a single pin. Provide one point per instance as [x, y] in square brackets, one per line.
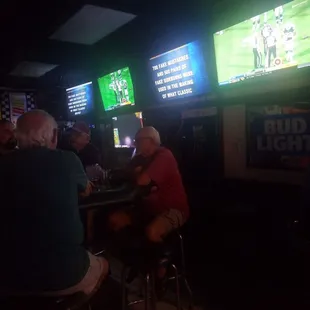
[165, 222]
[174, 218]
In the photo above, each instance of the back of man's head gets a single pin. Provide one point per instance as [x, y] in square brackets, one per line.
[36, 128]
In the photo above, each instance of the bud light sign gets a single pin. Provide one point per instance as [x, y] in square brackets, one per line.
[281, 134]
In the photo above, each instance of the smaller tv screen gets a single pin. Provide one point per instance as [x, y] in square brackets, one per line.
[80, 99]
[116, 89]
[180, 73]
[125, 128]
[264, 44]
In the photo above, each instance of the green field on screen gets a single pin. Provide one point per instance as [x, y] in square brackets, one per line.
[116, 89]
[234, 50]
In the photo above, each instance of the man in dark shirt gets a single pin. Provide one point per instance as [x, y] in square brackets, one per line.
[78, 141]
[7, 139]
[41, 231]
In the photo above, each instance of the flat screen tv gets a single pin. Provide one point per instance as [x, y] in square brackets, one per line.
[79, 99]
[180, 73]
[116, 89]
[264, 44]
[125, 128]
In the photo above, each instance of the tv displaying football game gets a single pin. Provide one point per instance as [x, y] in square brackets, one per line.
[116, 89]
[80, 99]
[180, 73]
[125, 128]
[271, 41]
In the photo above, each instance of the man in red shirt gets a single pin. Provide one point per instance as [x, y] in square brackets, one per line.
[164, 203]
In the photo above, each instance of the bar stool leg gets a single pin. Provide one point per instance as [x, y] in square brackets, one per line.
[188, 288]
[147, 292]
[177, 286]
[190, 293]
[153, 293]
[124, 289]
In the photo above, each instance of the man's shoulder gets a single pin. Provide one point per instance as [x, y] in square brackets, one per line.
[37, 157]
[163, 152]
[67, 157]
[42, 153]
[164, 157]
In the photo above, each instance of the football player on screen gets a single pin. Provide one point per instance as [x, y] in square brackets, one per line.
[113, 87]
[257, 51]
[119, 86]
[125, 88]
[271, 45]
[289, 33]
[278, 13]
[266, 32]
[256, 22]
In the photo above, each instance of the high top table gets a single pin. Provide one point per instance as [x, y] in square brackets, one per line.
[107, 199]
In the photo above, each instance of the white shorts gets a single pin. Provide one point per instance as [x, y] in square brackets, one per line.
[97, 272]
[289, 45]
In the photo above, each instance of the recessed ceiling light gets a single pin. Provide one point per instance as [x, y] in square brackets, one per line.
[32, 69]
[91, 24]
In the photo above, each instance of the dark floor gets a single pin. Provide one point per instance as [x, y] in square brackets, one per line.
[241, 253]
[240, 250]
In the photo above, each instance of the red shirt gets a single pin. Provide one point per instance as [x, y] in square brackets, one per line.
[170, 193]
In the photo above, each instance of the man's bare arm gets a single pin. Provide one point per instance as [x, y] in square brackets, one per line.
[88, 190]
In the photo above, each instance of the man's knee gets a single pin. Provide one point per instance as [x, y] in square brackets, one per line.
[105, 267]
[164, 224]
[154, 234]
[158, 229]
[119, 220]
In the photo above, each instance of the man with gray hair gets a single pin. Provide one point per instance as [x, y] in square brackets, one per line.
[165, 206]
[42, 233]
[36, 128]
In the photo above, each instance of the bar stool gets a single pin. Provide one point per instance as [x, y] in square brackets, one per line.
[77, 301]
[73, 302]
[148, 273]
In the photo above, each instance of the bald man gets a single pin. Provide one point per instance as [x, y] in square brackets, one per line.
[7, 139]
[42, 233]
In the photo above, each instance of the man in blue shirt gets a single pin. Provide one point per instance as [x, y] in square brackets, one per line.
[41, 231]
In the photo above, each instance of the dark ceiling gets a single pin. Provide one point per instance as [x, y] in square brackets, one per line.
[27, 25]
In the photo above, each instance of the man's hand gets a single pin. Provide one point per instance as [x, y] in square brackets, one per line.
[143, 179]
[88, 190]
[138, 170]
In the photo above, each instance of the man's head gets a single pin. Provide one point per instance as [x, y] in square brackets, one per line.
[7, 138]
[79, 136]
[147, 141]
[36, 128]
